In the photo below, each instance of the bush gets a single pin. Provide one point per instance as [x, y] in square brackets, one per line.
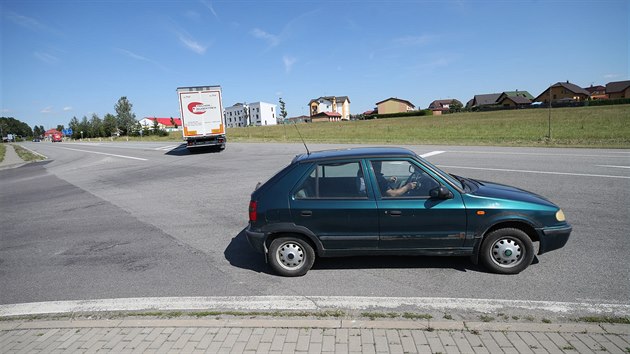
[424, 112]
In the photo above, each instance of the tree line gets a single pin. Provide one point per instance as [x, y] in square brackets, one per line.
[123, 122]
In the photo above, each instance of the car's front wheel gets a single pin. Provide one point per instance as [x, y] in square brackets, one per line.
[291, 256]
[507, 251]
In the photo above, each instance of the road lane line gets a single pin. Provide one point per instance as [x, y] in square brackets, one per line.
[612, 166]
[536, 172]
[613, 154]
[432, 153]
[103, 153]
[309, 303]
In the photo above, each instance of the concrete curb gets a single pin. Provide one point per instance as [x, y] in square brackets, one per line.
[426, 325]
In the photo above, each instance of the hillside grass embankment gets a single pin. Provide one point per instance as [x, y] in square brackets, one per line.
[594, 127]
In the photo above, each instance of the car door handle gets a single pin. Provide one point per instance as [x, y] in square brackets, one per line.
[394, 212]
[306, 213]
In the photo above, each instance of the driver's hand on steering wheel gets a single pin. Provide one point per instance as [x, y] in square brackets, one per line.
[393, 179]
[411, 185]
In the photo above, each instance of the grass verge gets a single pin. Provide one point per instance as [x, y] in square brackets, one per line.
[603, 126]
[27, 155]
[3, 151]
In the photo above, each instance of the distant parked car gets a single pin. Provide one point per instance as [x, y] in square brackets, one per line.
[390, 201]
[36, 140]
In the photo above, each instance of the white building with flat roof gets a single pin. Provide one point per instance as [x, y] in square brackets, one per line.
[256, 113]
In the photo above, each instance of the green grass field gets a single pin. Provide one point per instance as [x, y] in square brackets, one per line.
[601, 126]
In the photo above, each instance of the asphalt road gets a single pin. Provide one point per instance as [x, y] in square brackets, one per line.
[114, 220]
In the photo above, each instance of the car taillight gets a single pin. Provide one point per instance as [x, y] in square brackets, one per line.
[252, 211]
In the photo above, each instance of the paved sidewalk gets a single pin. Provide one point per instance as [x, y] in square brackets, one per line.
[11, 158]
[289, 335]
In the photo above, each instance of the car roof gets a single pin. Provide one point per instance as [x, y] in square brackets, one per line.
[363, 152]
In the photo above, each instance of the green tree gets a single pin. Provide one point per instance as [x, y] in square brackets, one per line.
[156, 126]
[455, 106]
[125, 118]
[283, 110]
[109, 125]
[10, 125]
[74, 125]
[60, 128]
[96, 126]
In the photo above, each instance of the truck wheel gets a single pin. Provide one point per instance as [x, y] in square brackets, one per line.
[507, 251]
[290, 256]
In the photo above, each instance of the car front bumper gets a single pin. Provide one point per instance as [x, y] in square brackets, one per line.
[553, 238]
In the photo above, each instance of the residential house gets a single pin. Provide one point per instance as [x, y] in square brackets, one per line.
[334, 104]
[618, 89]
[394, 105]
[563, 92]
[168, 124]
[298, 119]
[326, 117]
[514, 99]
[245, 114]
[440, 106]
[597, 92]
[488, 99]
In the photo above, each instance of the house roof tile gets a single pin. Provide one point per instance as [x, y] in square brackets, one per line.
[617, 86]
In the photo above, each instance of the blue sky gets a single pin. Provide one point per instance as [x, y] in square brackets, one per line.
[61, 59]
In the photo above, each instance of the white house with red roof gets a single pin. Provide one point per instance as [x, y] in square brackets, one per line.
[168, 124]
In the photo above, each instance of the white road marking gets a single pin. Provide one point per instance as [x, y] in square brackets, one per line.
[310, 303]
[432, 153]
[613, 166]
[537, 172]
[622, 154]
[103, 153]
[168, 147]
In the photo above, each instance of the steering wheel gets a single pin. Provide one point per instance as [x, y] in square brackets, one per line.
[416, 176]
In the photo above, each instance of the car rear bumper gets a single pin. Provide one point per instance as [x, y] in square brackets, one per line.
[256, 240]
[553, 238]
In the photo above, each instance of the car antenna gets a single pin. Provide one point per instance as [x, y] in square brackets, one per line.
[303, 142]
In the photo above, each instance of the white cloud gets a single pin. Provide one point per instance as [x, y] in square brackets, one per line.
[288, 63]
[611, 76]
[46, 58]
[208, 4]
[273, 40]
[48, 109]
[192, 44]
[67, 109]
[413, 41]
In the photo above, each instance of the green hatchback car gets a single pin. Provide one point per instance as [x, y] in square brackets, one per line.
[390, 201]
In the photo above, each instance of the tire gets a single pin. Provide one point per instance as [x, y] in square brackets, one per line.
[507, 251]
[290, 256]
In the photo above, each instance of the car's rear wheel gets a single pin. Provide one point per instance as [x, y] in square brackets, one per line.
[507, 251]
[291, 256]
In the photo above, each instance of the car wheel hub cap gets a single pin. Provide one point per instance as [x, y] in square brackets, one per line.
[290, 255]
[507, 252]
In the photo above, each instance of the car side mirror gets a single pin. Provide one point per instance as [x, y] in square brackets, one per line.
[441, 192]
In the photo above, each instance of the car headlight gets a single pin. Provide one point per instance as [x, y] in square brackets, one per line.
[560, 215]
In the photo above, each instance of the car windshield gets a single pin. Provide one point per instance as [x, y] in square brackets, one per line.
[443, 174]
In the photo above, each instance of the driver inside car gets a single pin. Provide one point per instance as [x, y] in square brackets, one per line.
[386, 185]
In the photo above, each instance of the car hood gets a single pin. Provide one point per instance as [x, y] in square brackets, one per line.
[502, 191]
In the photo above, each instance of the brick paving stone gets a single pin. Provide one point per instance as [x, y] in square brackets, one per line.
[576, 343]
[557, 339]
[461, 342]
[547, 343]
[141, 347]
[488, 341]
[230, 340]
[221, 334]
[304, 338]
[315, 348]
[434, 342]
[268, 335]
[244, 335]
[341, 335]
[317, 335]
[253, 342]
[367, 336]
[328, 342]
[278, 342]
[380, 341]
[180, 341]
[532, 342]
[518, 343]
[619, 341]
[263, 347]
[501, 340]
[354, 341]
[238, 347]
[158, 341]
[605, 344]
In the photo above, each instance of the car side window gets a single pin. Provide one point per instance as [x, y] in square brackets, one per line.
[402, 179]
[342, 180]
